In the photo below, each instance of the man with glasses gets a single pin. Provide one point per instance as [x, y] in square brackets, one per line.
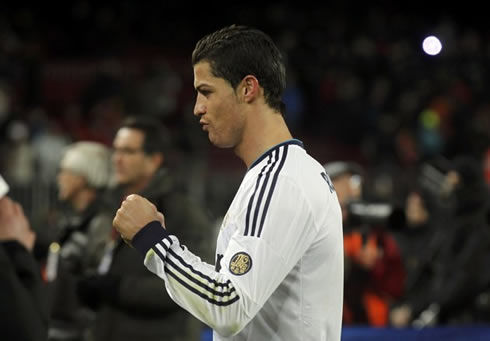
[131, 301]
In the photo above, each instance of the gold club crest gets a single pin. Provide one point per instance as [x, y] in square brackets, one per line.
[240, 263]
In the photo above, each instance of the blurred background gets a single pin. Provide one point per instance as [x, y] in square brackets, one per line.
[360, 88]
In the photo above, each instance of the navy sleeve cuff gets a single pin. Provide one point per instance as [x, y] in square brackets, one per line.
[148, 236]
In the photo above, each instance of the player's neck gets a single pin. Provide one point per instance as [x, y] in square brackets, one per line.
[263, 132]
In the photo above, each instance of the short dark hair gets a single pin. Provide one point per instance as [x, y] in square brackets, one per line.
[235, 51]
[156, 136]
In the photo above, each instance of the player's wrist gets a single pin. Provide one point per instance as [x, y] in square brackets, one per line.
[148, 236]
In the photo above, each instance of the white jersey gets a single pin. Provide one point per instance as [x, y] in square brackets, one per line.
[279, 269]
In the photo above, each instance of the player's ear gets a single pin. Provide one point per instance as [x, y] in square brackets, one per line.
[249, 88]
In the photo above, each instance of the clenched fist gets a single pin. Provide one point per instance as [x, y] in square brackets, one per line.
[135, 212]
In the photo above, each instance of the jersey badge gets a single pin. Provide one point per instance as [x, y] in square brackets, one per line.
[240, 263]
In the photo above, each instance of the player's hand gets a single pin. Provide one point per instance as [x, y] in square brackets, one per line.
[14, 224]
[135, 212]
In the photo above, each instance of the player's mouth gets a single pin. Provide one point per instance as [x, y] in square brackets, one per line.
[204, 125]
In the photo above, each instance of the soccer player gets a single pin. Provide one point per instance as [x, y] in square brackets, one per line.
[279, 256]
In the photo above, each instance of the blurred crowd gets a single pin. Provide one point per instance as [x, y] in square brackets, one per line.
[412, 133]
[420, 262]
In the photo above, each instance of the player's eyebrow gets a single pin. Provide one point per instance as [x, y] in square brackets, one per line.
[202, 87]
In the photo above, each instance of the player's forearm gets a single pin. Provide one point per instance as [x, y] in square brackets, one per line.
[194, 284]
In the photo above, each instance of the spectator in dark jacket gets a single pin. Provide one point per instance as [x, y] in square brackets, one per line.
[418, 239]
[23, 308]
[132, 302]
[454, 270]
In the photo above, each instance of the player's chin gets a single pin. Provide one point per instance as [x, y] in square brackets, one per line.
[220, 142]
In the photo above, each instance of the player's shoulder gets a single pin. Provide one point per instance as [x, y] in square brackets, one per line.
[302, 165]
[286, 160]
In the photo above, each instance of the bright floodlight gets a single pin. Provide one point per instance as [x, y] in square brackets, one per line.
[432, 45]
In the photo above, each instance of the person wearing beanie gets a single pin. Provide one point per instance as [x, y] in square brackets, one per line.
[81, 235]
[88, 160]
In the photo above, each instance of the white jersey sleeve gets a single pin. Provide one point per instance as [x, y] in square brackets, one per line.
[193, 284]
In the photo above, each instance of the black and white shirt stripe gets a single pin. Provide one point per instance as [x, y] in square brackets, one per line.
[215, 292]
[264, 189]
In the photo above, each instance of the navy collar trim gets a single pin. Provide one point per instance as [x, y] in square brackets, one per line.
[288, 142]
